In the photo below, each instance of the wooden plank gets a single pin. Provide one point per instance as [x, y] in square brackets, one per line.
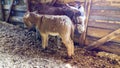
[110, 12]
[2, 11]
[113, 49]
[16, 13]
[104, 18]
[103, 21]
[16, 19]
[109, 47]
[8, 16]
[90, 40]
[83, 35]
[107, 13]
[113, 0]
[115, 3]
[104, 25]
[20, 14]
[67, 1]
[16, 8]
[99, 33]
[94, 7]
[106, 38]
[100, 2]
[107, 3]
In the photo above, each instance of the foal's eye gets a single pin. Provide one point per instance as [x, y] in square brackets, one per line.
[63, 19]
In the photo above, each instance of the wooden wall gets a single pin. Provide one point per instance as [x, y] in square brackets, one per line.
[104, 19]
[19, 8]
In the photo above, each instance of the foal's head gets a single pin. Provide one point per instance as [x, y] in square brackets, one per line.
[29, 19]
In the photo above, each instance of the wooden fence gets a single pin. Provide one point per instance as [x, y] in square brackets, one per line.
[15, 11]
[104, 25]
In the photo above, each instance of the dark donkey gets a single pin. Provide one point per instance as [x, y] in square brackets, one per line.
[57, 7]
[75, 14]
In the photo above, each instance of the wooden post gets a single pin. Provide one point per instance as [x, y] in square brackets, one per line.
[28, 5]
[101, 41]
[53, 2]
[2, 11]
[83, 35]
[9, 12]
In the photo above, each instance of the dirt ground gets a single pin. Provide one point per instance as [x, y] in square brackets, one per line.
[19, 48]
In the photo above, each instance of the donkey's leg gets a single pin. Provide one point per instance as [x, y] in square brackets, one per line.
[69, 45]
[44, 40]
[38, 34]
[58, 41]
[72, 46]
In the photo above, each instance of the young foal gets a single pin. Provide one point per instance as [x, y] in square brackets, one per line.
[52, 25]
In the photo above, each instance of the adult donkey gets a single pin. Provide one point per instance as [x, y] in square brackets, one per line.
[58, 7]
[76, 14]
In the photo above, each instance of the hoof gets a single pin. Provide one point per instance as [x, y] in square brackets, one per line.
[32, 29]
[44, 49]
[38, 38]
[68, 57]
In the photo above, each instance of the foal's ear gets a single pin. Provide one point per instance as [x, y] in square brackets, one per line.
[28, 12]
[34, 11]
[32, 14]
[26, 15]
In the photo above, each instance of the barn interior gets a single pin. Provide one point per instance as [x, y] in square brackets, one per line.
[96, 47]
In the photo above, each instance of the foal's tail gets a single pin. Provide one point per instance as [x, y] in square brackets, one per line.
[72, 32]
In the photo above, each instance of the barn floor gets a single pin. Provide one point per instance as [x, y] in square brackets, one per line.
[20, 49]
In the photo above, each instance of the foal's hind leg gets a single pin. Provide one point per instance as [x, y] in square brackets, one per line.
[69, 45]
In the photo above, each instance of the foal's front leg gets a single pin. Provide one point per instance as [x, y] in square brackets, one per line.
[44, 40]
